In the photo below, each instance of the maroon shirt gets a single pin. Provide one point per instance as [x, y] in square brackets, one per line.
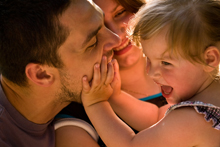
[17, 131]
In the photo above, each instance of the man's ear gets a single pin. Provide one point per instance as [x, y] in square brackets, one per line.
[39, 74]
[212, 58]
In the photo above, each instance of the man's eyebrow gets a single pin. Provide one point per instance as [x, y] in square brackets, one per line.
[91, 35]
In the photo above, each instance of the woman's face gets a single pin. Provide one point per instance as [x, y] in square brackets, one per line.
[116, 19]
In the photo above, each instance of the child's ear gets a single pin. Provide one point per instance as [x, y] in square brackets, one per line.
[39, 74]
[212, 58]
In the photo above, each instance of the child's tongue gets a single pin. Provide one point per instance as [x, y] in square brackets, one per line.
[166, 89]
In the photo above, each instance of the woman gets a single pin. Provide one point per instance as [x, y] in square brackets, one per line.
[132, 70]
[131, 60]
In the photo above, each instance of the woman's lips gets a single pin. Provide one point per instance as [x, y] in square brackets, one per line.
[123, 48]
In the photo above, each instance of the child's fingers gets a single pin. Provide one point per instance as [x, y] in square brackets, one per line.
[110, 74]
[96, 75]
[115, 65]
[86, 86]
[117, 78]
[116, 69]
[104, 69]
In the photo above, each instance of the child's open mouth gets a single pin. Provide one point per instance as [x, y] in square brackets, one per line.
[166, 90]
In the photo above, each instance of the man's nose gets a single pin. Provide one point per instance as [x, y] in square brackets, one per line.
[112, 41]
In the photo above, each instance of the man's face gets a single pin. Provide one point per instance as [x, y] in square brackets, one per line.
[87, 42]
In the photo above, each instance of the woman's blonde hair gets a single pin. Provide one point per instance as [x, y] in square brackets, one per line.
[193, 25]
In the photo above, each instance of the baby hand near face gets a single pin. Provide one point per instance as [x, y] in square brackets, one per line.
[116, 83]
[100, 89]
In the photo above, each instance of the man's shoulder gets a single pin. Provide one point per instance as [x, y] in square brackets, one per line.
[3, 138]
[3, 143]
[1, 109]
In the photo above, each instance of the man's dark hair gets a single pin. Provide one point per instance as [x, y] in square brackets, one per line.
[30, 32]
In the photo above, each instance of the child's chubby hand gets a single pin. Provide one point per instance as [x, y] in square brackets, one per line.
[116, 83]
[100, 88]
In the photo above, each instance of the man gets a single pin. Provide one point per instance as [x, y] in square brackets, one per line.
[46, 47]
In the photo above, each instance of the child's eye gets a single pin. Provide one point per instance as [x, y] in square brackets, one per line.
[165, 63]
[120, 12]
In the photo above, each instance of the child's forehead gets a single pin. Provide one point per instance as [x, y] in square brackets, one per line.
[158, 37]
[155, 44]
[159, 45]
[158, 49]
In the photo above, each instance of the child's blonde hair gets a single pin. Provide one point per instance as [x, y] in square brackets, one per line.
[193, 25]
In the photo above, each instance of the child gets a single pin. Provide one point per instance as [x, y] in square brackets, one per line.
[181, 39]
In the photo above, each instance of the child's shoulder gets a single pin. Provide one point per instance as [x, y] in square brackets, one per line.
[187, 126]
[192, 104]
[184, 124]
[209, 111]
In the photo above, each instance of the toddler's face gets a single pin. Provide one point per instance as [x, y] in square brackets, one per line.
[178, 78]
